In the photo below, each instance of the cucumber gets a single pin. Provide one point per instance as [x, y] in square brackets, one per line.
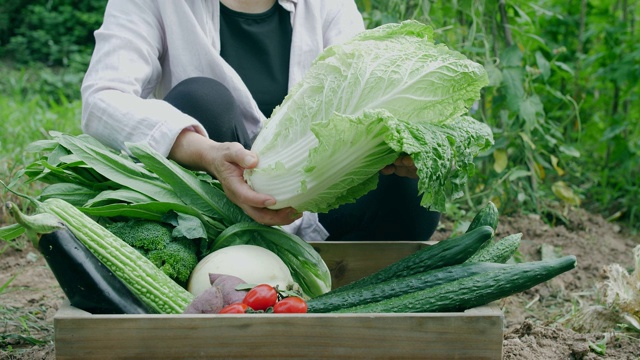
[487, 216]
[396, 287]
[498, 252]
[472, 291]
[447, 252]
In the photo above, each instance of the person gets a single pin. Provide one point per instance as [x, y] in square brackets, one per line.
[195, 79]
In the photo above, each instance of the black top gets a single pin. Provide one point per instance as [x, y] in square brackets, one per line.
[257, 46]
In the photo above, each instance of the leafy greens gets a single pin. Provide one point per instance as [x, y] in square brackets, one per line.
[388, 91]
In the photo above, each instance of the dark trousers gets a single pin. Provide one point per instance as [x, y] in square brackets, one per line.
[390, 212]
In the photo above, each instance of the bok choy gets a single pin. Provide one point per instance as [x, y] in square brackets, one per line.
[386, 92]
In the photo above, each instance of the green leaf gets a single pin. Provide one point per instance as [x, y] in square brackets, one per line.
[570, 150]
[531, 111]
[518, 173]
[564, 67]
[306, 266]
[11, 232]
[120, 170]
[157, 211]
[39, 146]
[72, 193]
[208, 199]
[512, 79]
[118, 196]
[190, 227]
[511, 57]
[494, 74]
[543, 65]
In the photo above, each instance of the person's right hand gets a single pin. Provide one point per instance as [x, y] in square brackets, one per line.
[227, 162]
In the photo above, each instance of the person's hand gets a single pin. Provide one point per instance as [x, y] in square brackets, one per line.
[227, 162]
[403, 166]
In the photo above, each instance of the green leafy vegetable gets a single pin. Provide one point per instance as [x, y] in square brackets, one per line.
[111, 184]
[159, 242]
[387, 91]
[142, 234]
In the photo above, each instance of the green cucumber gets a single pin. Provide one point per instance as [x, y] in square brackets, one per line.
[498, 252]
[396, 287]
[472, 291]
[447, 252]
[487, 216]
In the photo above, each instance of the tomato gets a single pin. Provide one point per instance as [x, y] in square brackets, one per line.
[235, 308]
[291, 304]
[261, 297]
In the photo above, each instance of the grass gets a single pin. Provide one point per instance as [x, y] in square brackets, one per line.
[28, 115]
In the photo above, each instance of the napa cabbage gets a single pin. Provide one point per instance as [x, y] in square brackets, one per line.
[388, 91]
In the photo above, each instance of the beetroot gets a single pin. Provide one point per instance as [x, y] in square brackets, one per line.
[209, 302]
[228, 284]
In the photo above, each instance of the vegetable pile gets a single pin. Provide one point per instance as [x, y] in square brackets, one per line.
[124, 193]
[229, 294]
[252, 264]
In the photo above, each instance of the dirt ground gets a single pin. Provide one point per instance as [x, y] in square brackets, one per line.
[537, 321]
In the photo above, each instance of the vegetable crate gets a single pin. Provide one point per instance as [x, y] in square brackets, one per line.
[473, 334]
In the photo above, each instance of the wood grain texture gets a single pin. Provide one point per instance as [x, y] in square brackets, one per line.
[350, 261]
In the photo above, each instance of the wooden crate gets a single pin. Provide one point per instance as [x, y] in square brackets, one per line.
[473, 334]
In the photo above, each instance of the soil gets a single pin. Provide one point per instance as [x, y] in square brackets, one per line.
[539, 323]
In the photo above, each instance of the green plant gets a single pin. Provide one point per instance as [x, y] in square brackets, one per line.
[23, 326]
[27, 114]
[563, 83]
[51, 32]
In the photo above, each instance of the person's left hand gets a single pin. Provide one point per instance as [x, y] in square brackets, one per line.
[403, 166]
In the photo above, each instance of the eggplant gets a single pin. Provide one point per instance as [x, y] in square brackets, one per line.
[88, 284]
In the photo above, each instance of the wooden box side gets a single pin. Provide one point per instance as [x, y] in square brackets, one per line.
[475, 334]
[350, 261]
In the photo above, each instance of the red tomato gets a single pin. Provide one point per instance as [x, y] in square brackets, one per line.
[261, 297]
[235, 308]
[291, 304]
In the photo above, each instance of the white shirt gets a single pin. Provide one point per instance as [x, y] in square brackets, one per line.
[145, 47]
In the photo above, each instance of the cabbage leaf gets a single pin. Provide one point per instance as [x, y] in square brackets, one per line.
[388, 91]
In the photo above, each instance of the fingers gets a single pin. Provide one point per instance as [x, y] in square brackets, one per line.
[405, 160]
[256, 204]
[234, 160]
[402, 166]
[273, 217]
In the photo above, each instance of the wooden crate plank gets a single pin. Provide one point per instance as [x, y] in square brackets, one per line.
[351, 260]
[324, 336]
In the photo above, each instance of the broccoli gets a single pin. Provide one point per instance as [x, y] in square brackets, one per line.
[177, 259]
[144, 235]
[175, 256]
